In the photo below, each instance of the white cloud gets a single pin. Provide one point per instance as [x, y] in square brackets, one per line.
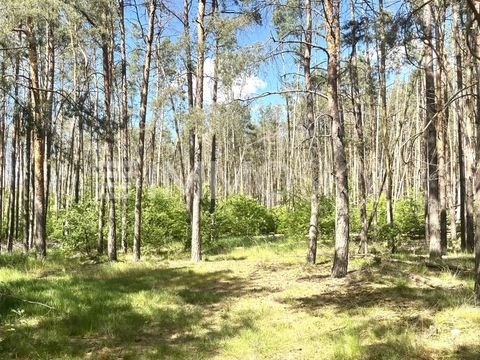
[243, 85]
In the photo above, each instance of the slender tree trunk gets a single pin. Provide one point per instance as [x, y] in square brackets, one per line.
[3, 115]
[440, 124]
[40, 234]
[433, 194]
[197, 167]
[12, 204]
[141, 143]
[475, 8]
[213, 187]
[107, 48]
[197, 195]
[340, 260]
[124, 135]
[312, 134]
[102, 200]
[357, 113]
[383, 115]
[50, 81]
[26, 184]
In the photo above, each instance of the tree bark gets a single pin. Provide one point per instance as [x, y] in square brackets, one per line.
[124, 132]
[340, 259]
[196, 187]
[40, 234]
[312, 134]
[141, 143]
[358, 115]
[433, 195]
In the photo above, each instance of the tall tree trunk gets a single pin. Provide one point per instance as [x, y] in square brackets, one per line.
[141, 143]
[102, 200]
[340, 259]
[12, 205]
[312, 134]
[440, 123]
[213, 157]
[124, 135]
[50, 81]
[383, 114]
[197, 196]
[358, 115]
[475, 8]
[197, 168]
[213, 187]
[3, 116]
[107, 50]
[433, 195]
[26, 183]
[40, 234]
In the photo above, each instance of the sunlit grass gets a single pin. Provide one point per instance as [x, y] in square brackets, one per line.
[250, 299]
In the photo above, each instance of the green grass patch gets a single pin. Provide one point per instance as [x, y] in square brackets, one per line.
[253, 298]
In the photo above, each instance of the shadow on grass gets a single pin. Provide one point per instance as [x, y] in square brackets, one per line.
[104, 312]
[404, 309]
[226, 244]
[395, 339]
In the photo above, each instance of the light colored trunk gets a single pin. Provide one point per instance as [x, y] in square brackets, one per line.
[312, 134]
[141, 143]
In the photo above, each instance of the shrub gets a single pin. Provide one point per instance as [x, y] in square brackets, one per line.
[240, 215]
[76, 227]
[293, 222]
[164, 217]
[409, 216]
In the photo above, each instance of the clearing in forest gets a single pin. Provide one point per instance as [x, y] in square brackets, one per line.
[259, 301]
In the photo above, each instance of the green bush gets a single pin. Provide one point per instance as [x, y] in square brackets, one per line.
[76, 227]
[293, 222]
[164, 221]
[164, 217]
[409, 215]
[408, 221]
[240, 215]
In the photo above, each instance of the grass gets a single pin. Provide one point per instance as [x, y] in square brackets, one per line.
[251, 300]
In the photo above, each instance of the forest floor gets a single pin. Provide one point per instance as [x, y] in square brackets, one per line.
[258, 301]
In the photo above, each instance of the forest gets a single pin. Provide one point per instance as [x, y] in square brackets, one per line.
[239, 179]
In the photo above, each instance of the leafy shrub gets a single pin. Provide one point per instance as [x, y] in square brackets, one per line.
[390, 234]
[76, 227]
[164, 217]
[293, 222]
[240, 215]
[409, 216]
[164, 221]
[326, 221]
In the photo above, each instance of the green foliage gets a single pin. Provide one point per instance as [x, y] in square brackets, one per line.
[164, 222]
[409, 216]
[390, 235]
[66, 308]
[408, 219]
[76, 227]
[164, 217]
[240, 215]
[293, 221]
